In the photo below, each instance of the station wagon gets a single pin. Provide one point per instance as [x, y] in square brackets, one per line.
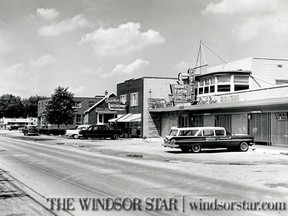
[196, 138]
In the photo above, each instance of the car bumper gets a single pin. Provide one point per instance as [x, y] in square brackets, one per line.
[169, 145]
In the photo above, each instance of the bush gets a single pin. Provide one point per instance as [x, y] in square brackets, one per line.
[52, 131]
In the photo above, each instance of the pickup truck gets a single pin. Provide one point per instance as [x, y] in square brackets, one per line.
[100, 131]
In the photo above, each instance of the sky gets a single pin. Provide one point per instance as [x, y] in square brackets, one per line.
[91, 45]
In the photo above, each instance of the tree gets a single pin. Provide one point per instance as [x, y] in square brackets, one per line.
[11, 106]
[59, 109]
[30, 106]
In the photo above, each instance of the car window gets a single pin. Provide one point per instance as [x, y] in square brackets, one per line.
[95, 128]
[200, 133]
[182, 133]
[173, 132]
[219, 132]
[191, 132]
[208, 132]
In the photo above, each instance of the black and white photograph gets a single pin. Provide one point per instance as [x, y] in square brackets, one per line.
[143, 107]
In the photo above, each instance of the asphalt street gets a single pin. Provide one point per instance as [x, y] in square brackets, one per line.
[163, 183]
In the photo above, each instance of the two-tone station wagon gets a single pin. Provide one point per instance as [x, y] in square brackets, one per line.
[196, 138]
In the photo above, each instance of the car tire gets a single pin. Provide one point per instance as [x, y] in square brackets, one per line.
[115, 137]
[76, 136]
[185, 149]
[196, 148]
[243, 146]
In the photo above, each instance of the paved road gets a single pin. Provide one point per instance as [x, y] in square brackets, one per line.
[57, 172]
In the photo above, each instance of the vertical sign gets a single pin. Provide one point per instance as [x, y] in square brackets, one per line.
[191, 73]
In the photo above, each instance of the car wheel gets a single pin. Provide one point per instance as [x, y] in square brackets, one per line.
[244, 146]
[115, 136]
[185, 149]
[196, 148]
[76, 136]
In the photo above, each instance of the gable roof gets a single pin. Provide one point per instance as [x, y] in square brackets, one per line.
[99, 102]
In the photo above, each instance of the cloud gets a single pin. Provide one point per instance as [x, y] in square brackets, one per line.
[12, 70]
[244, 6]
[67, 25]
[126, 38]
[259, 17]
[43, 60]
[47, 13]
[122, 69]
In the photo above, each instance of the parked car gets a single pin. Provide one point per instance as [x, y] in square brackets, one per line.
[75, 132]
[13, 127]
[100, 131]
[30, 130]
[196, 138]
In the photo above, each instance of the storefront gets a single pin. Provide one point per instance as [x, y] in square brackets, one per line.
[266, 118]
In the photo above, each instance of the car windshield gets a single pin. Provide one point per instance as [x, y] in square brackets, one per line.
[188, 132]
[173, 132]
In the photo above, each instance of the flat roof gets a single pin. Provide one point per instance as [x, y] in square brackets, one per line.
[280, 103]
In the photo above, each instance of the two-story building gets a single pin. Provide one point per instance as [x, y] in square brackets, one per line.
[249, 96]
[135, 94]
[81, 105]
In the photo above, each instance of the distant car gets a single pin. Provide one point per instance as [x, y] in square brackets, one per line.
[30, 130]
[75, 132]
[13, 127]
[196, 138]
[100, 131]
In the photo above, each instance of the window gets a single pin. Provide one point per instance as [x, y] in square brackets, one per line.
[212, 89]
[134, 99]
[77, 104]
[173, 133]
[100, 119]
[219, 132]
[123, 98]
[78, 119]
[241, 83]
[208, 132]
[224, 88]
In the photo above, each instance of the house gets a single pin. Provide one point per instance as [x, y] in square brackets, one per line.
[101, 112]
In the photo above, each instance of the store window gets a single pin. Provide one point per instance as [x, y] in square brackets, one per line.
[134, 99]
[241, 83]
[224, 82]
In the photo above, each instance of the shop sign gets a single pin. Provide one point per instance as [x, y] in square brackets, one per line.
[113, 100]
[281, 116]
[229, 98]
[158, 103]
[181, 92]
[116, 106]
[207, 100]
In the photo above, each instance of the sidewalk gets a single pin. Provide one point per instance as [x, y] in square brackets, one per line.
[13, 201]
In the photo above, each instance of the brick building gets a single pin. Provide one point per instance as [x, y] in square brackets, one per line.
[135, 93]
[81, 105]
[100, 112]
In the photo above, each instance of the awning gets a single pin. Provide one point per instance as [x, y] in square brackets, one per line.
[130, 118]
[115, 119]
